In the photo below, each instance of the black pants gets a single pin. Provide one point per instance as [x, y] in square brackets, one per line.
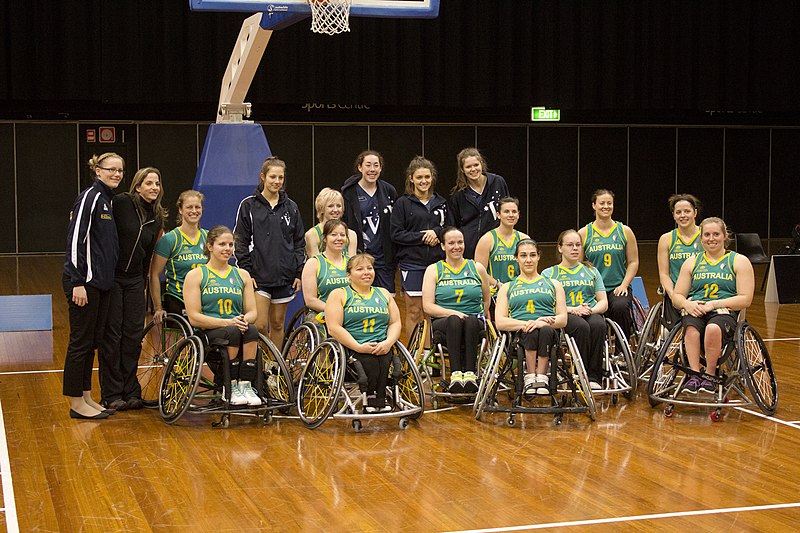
[86, 327]
[619, 310]
[589, 333]
[171, 304]
[122, 344]
[376, 367]
[671, 316]
[462, 336]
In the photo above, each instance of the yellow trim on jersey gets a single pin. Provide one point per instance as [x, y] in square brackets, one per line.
[454, 271]
[707, 260]
[218, 274]
[520, 279]
[606, 235]
[685, 243]
[507, 244]
[573, 271]
[199, 234]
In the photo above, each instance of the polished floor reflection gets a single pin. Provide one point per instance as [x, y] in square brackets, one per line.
[445, 472]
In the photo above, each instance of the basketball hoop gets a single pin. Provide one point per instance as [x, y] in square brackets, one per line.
[330, 16]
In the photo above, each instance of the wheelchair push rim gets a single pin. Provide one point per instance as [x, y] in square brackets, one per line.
[158, 343]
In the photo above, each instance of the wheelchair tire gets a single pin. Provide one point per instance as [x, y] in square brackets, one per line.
[277, 384]
[646, 348]
[666, 375]
[416, 342]
[638, 318]
[621, 365]
[158, 341]
[321, 383]
[580, 377]
[757, 365]
[181, 376]
[298, 347]
[490, 374]
[409, 385]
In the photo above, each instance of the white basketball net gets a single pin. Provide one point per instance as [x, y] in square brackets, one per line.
[330, 16]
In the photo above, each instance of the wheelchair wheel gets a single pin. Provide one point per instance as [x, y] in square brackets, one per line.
[621, 367]
[278, 384]
[574, 362]
[416, 342]
[667, 373]
[647, 344]
[298, 347]
[487, 390]
[158, 342]
[758, 372]
[409, 385]
[638, 318]
[297, 319]
[181, 376]
[321, 383]
[485, 351]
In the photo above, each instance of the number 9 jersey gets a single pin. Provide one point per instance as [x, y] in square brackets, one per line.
[221, 294]
[606, 251]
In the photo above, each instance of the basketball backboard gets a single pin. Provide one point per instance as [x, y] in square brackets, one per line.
[359, 8]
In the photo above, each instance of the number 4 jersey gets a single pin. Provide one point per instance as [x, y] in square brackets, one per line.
[221, 294]
[529, 300]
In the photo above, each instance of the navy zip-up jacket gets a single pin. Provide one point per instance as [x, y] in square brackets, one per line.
[386, 196]
[409, 219]
[92, 245]
[270, 243]
[475, 220]
[138, 231]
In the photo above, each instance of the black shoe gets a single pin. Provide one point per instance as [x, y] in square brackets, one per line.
[116, 405]
[109, 411]
[99, 416]
[134, 404]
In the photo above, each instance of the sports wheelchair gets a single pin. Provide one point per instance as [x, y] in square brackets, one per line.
[619, 369]
[569, 389]
[433, 362]
[158, 342]
[329, 387]
[300, 342]
[188, 386]
[744, 365]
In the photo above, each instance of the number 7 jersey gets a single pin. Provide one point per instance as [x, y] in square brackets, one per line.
[221, 294]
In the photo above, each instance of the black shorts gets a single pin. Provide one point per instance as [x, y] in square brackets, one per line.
[172, 304]
[725, 320]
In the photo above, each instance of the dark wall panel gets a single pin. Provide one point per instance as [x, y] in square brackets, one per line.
[442, 144]
[652, 181]
[293, 144]
[700, 167]
[747, 180]
[603, 165]
[398, 145]
[8, 214]
[506, 151]
[553, 201]
[172, 149]
[785, 208]
[43, 218]
[335, 151]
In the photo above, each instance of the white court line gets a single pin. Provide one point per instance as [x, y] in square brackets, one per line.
[784, 339]
[795, 425]
[635, 517]
[10, 506]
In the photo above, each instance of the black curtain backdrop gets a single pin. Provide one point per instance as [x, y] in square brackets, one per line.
[489, 59]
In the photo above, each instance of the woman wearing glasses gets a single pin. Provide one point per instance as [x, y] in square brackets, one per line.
[139, 218]
[92, 250]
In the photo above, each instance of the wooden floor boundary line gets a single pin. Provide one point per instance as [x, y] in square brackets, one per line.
[9, 505]
[794, 425]
[632, 518]
[783, 339]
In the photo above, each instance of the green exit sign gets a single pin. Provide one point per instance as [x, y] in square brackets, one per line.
[540, 114]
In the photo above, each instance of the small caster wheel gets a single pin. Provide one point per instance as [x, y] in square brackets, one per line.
[435, 404]
[668, 411]
[557, 421]
[268, 417]
[716, 415]
[403, 423]
[224, 422]
[357, 425]
[510, 421]
[614, 398]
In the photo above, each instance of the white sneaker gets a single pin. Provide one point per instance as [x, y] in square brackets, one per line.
[249, 393]
[543, 380]
[595, 385]
[237, 398]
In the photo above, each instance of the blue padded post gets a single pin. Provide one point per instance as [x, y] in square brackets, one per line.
[229, 169]
[637, 285]
[26, 312]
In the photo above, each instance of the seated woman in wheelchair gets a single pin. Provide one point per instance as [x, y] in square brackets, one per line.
[366, 321]
[534, 306]
[586, 302]
[456, 295]
[221, 301]
[711, 290]
[675, 247]
[328, 270]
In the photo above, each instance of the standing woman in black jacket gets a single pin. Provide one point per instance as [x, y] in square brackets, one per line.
[92, 250]
[368, 202]
[270, 246]
[139, 218]
[475, 199]
[418, 218]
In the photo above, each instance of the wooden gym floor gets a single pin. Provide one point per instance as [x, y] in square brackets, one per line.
[632, 469]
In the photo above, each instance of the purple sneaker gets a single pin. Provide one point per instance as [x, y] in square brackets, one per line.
[706, 385]
[693, 385]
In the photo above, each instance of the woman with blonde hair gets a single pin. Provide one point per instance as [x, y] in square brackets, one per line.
[329, 205]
